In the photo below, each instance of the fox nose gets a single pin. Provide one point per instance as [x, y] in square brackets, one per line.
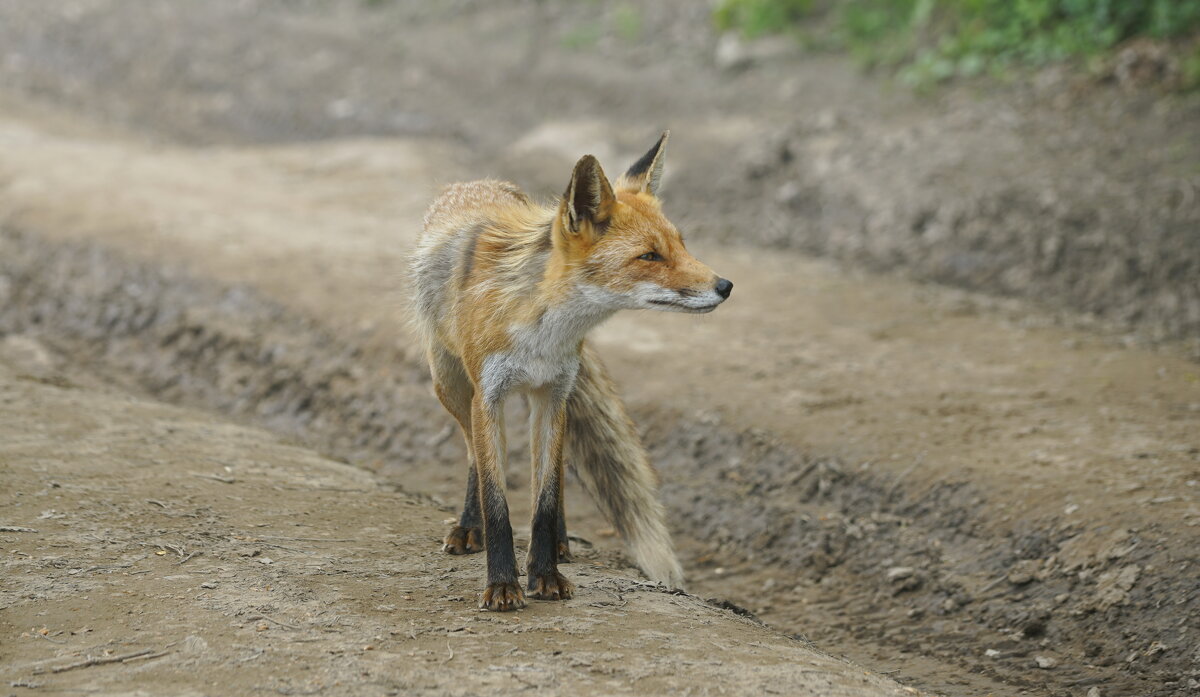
[724, 287]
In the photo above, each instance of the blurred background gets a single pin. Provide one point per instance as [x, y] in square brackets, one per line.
[953, 403]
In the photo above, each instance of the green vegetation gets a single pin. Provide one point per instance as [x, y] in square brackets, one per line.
[758, 17]
[623, 20]
[931, 40]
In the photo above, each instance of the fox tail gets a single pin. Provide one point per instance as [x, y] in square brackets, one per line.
[604, 447]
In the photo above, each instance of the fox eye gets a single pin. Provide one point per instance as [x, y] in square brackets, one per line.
[651, 256]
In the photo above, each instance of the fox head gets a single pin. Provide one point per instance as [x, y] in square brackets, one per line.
[622, 250]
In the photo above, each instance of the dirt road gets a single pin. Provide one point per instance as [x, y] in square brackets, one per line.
[979, 494]
[151, 548]
[878, 427]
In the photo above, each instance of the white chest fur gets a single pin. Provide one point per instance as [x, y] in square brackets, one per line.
[544, 353]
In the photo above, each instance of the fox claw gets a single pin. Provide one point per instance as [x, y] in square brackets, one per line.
[551, 586]
[502, 597]
[463, 541]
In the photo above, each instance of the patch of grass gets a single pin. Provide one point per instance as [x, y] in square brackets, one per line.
[758, 17]
[627, 22]
[623, 21]
[582, 36]
[1191, 69]
[932, 40]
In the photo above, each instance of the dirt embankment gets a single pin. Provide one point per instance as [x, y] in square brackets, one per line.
[140, 554]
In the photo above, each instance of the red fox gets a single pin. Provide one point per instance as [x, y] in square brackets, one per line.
[505, 291]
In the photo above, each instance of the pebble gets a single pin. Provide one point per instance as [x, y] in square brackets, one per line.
[1045, 662]
[731, 53]
[1024, 572]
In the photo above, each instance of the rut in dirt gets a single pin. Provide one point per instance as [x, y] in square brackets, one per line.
[906, 554]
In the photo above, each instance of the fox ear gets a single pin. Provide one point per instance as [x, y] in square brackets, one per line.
[646, 174]
[589, 196]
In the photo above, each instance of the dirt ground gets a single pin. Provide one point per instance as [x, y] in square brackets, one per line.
[975, 495]
[164, 551]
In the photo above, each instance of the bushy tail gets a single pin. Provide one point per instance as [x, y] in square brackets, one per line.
[604, 447]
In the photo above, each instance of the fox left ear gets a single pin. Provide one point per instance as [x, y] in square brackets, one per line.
[646, 174]
[589, 197]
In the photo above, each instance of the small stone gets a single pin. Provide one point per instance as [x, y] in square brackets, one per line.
[266, 560]
[732, 54]
[208, 584]
[992, 653]
[904, 578]
[1094, 692]
[1045, 662]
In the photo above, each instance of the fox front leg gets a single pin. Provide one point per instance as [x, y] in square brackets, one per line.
[548, 419]
[503, 592]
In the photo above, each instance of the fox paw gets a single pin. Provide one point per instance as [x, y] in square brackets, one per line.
[551, 586]
[502, 597]
[564, 553]
[463, 541]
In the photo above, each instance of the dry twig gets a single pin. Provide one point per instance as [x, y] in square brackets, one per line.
[100, 661]
[271, 619]
[214, 477]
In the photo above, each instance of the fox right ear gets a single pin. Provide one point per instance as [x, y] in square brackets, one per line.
[646, 174]
[589, 197]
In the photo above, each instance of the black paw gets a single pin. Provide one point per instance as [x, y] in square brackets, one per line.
[551, 586]
[502, 597]
[564, 553]
[463, 541]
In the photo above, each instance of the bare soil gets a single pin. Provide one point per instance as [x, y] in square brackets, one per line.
[1071, 193]
[958, 488]
[165, 551]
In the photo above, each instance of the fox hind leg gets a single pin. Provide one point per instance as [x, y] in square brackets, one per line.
[454, 390]
[564, 543]
[467, 536]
